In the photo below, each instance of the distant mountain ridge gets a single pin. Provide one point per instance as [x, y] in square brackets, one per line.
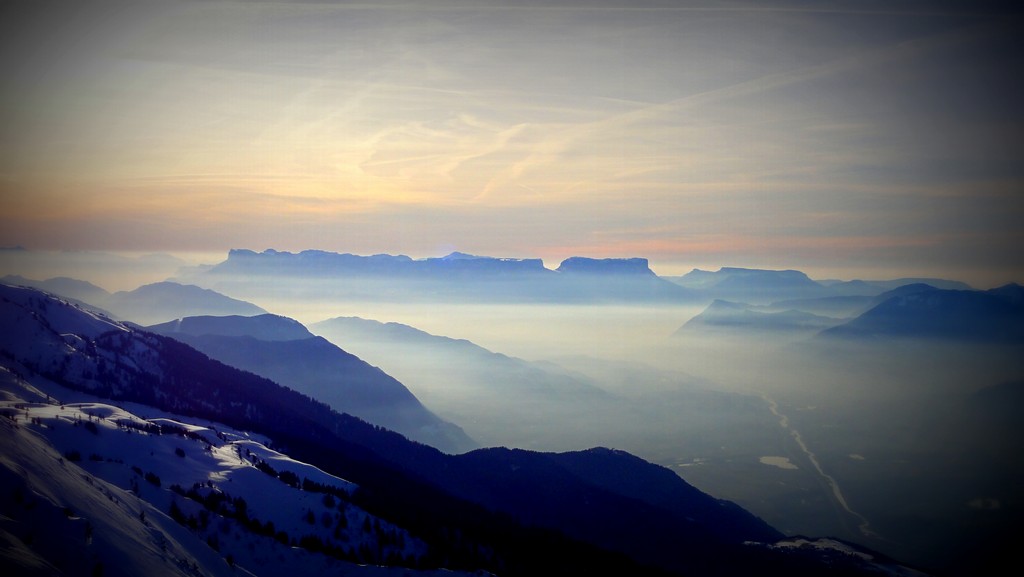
[920, 311]
[498, 399]
[79, 290]
[325, 263]
[162, 301]
[917, 311]
[283, 350]
[457, 277]
[732, 317]
[877, 286]
[757, 283]
[145, 305]
[764, 286]
[605, 266]
[849, 305]
[264, 327]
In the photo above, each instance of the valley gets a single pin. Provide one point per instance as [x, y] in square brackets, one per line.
[843, 438]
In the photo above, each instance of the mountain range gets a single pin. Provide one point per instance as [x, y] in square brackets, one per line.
[147, 304]
[457, 277]
[912, 311]
[500, 400]
[762, 287]
[284, 351]
[738, 318]
[460, 277]
[922, 312]
[509, 511]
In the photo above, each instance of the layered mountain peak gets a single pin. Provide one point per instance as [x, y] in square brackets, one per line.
[961, 315]
[605, 266]
[284, 351]
[266, 327]
[30, 316]
[161, 301]
[63, 286]
[752, 285]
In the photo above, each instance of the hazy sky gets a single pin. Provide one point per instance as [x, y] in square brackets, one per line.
[843, 138]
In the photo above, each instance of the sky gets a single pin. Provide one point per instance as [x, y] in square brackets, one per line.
[847, 139]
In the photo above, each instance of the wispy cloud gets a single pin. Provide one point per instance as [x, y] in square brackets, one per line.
[618, 128]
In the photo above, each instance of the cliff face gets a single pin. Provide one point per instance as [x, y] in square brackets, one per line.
[606, 266]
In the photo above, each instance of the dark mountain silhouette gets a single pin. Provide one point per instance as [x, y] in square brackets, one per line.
[164, 301]
[970, 316]
[515, 511]
[267, 346]
[1013, 293]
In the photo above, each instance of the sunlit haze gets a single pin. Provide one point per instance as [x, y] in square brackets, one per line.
[853, 140]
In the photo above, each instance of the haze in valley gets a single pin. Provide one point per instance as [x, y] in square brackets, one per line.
[772, 247]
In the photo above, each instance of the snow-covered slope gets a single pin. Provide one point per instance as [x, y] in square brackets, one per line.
[60, 519]
[88, 487]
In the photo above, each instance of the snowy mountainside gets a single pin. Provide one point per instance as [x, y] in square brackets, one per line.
[43, 331]
[61, 317]
[92, 482]
[58, 519]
